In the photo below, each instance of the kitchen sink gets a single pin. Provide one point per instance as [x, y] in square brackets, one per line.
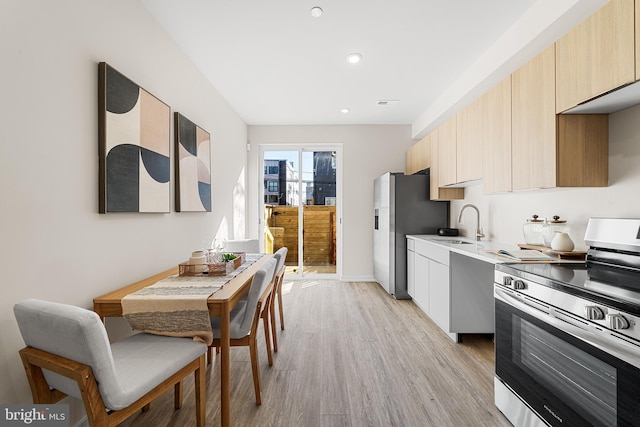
[456, 242]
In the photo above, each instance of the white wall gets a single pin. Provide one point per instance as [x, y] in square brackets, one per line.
[55, 245]
[502, 215]
[368, 152]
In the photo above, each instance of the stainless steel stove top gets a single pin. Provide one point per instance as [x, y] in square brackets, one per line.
[607, 285]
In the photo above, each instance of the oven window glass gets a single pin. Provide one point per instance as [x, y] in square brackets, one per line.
[571, 374]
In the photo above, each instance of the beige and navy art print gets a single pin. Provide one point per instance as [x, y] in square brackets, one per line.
[134, 146]
[193, 166]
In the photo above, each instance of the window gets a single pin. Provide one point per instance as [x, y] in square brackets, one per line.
[271, 170]
[272, 186]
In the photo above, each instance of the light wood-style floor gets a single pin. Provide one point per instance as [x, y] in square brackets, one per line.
[351, 355]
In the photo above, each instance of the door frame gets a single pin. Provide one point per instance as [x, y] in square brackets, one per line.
[337, 147]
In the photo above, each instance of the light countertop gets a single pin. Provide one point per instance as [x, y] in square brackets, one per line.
[478, 250]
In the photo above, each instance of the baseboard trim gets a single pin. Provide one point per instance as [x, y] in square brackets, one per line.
[358, 279]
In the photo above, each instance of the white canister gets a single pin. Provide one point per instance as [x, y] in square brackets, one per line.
[199, 259]
[562, 242]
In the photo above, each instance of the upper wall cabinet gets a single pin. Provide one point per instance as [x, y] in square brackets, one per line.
[447, 152]
[533, 123]
[469, 143]
[637, 28]
[596, 56]
[436, 190]
[549, 150]
[418, 157]
[496, 138]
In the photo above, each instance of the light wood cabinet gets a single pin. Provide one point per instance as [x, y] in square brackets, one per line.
[496, 138]
[436, 191]
[598, 55]
[469, 142]
[583, 150]
[637, 39]
[418, 157]
[549, 150]
[447, 152]
[533, 123]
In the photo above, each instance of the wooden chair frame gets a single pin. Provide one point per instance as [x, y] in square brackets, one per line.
[250, 340]
[34, 360]
[277, 291]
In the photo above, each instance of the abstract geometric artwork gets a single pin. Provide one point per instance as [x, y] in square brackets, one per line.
[193, 166]
[134, 146]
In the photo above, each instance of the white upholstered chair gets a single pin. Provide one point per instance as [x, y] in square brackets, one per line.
[68, 353]
[243, 245]
[244, 321]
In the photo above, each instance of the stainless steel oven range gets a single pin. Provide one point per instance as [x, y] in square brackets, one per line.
[568, 334]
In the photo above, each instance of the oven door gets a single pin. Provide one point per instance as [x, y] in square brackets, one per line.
[563, 377]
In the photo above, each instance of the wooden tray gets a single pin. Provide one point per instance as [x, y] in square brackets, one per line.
[573, 255]
[237, 262]
[216, 269]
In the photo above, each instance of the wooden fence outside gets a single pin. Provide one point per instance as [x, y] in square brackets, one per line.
[281, 229]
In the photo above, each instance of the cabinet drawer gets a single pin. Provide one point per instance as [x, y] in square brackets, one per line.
[432, 251]
[411, 245]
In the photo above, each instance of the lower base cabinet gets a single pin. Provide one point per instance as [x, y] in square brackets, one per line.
[454, 290]
[440, 296]
[411, 262]
[422, 282]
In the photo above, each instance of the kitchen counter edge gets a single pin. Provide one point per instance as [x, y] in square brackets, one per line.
[473, 249]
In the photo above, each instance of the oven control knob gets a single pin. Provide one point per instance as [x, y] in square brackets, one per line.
[519, 284]
[506, 280]
[593, 312]
[618, 321]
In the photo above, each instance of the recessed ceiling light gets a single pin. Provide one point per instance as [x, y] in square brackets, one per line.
[354, 58]
[344, 110]
[316, 12]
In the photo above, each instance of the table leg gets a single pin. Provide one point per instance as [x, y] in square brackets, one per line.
[225, 344]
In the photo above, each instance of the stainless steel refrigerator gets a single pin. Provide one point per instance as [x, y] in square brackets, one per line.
[401, 207]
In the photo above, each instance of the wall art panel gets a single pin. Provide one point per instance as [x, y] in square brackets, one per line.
[134, 146]
[193, 166]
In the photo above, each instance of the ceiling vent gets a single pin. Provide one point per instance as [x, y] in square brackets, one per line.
[385, 102]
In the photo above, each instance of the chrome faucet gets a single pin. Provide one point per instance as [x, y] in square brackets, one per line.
[479, 233]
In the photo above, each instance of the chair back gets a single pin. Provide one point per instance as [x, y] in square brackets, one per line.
[281, 256]
[251, 246]
[260, 281]
[71, 332]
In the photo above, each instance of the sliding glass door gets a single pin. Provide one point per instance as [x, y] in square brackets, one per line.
[301, 207]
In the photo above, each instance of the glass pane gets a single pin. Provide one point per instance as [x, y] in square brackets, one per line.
[281, 203]
[319, 215]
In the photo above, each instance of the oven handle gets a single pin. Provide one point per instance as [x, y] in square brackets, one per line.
[600, 339]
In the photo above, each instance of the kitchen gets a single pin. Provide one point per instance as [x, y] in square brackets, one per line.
[54, 231]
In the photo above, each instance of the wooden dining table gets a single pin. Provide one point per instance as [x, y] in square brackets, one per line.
[220, 303]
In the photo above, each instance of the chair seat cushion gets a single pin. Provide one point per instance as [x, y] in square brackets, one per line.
[143, 361]
[235, 318]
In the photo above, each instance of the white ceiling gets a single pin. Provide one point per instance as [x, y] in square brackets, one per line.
[277, 65]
